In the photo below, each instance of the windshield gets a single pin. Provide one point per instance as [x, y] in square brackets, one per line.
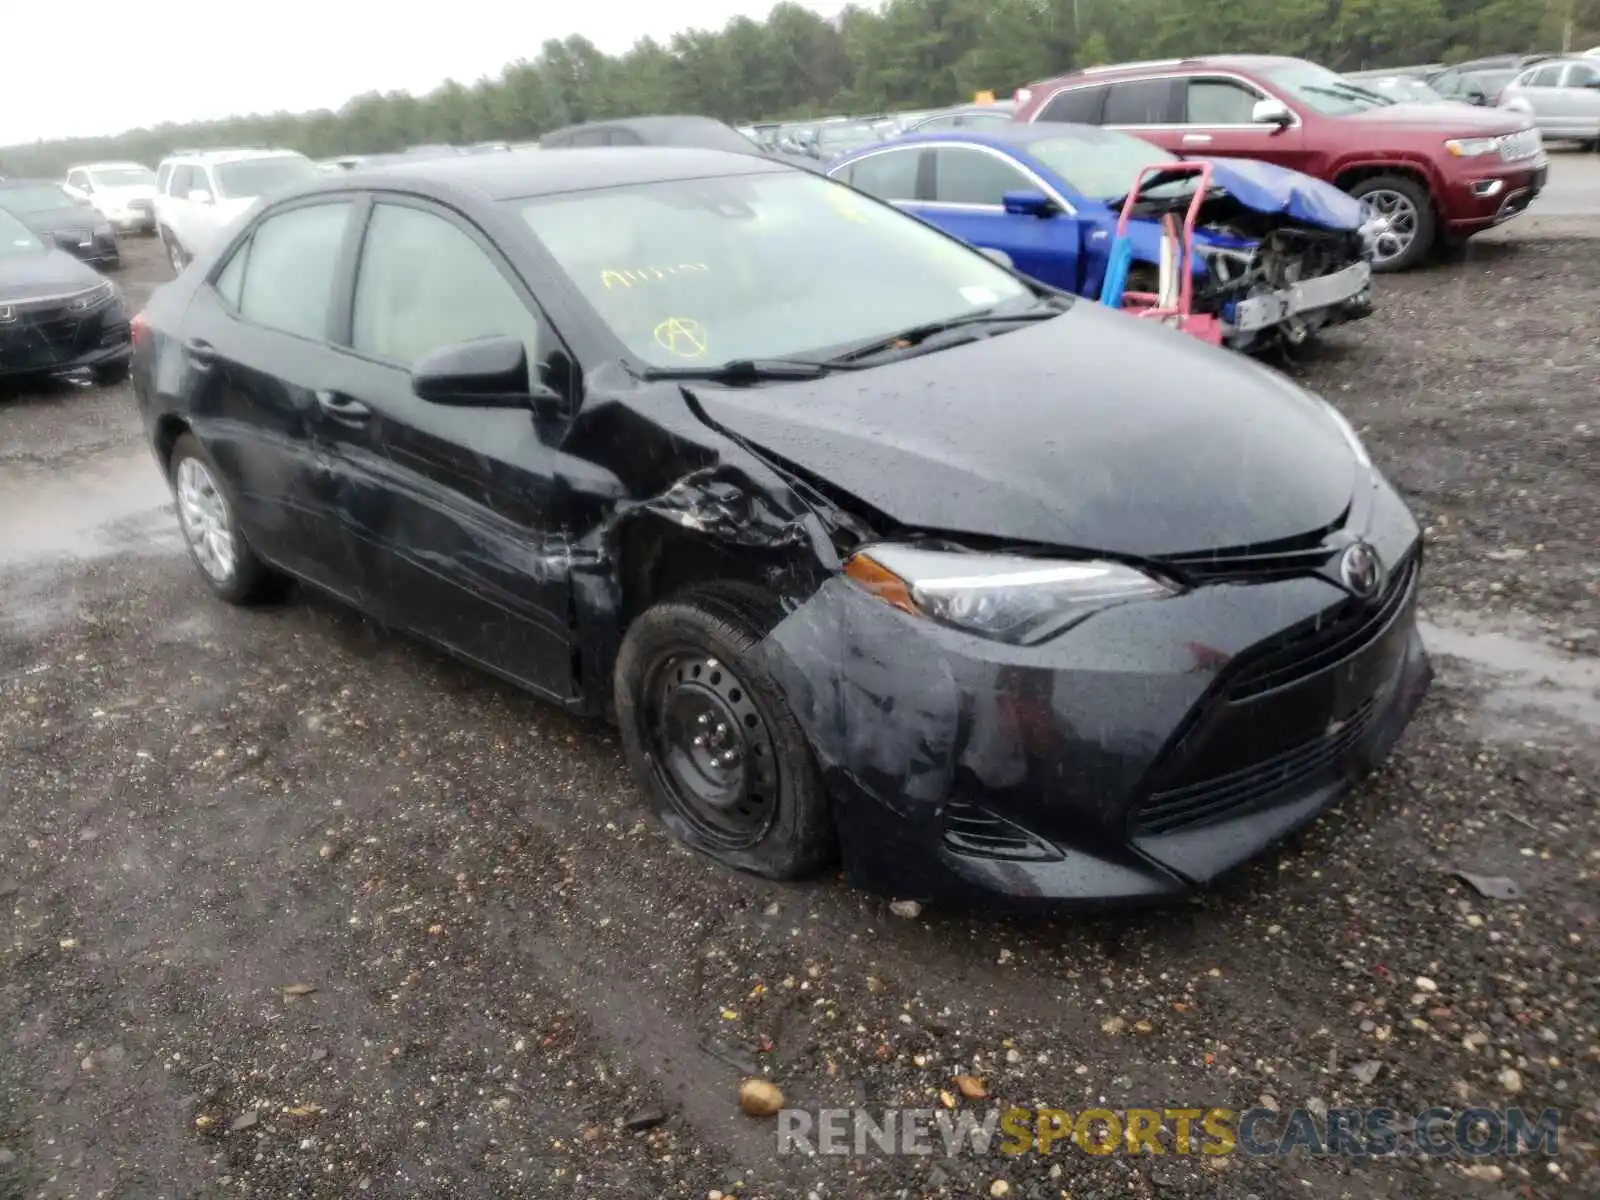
[698, 272]
[1320, 90]
[711, 135]
[251, 177]
[1401, 90]
[15, 237]
[115, 177]
[1103, 166]
[34, 198]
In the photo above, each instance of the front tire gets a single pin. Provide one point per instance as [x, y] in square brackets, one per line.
[711, 739]
[209, 519]
[1413, 226]
[177, 258]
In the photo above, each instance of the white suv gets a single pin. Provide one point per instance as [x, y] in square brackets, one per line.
[199, 193]
[124, 193]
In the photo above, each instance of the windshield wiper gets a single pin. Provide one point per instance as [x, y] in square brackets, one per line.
[748, 370]
[908, 339]
[1343, 92]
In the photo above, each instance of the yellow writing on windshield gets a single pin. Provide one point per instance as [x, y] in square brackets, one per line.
[847, 204]
[681, 337]
[628, 276]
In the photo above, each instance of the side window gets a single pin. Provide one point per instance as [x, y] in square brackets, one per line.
[231, 282]
[289, 274]
[201, 179]
[962, 176]
[1545, 77]
[624, 137]
[1581, 75]
[1077, 106]
[78, 179]
[184, 181]
[424, 283]
[1139, 102]
[1219, 102]
[589, 137]
[163, 177]
[888, 176]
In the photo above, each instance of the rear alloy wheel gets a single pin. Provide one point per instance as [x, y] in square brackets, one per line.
[206, 514]
[1406, 222]
[712, 740]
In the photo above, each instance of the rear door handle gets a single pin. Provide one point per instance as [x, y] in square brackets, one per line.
[1196, 139]
[200, 352]
[342, 408]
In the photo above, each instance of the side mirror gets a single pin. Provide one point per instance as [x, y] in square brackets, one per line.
[1029, 204]
[1593, 85]
[1271, 112]
[489, 372]
[199, 196]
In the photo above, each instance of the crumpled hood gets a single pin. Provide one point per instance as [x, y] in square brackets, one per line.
[37, 273]
[1092, 431]
[1270, 188]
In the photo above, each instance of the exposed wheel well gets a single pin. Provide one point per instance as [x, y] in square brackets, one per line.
[658, 559]
[168, 430]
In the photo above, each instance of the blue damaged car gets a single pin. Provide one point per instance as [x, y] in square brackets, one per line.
[1276, 254]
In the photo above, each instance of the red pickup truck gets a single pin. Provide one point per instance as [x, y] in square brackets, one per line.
[1431, 174]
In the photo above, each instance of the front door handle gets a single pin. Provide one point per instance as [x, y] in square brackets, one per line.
[342, 408]
[1196, 139]
[200, 352]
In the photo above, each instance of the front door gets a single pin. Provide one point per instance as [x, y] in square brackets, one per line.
[448, 507]
[258, 351]
[1215, 121]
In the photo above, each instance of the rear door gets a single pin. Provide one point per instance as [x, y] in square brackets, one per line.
[1147, 108]
[449, 508]
[258, 351]
[1214, 119]
[966, 197]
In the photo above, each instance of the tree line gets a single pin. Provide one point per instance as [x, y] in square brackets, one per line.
[907, 54]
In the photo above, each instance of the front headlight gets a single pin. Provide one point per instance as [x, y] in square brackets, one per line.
[1351, 437]
[1474, 147]
[1007, 597]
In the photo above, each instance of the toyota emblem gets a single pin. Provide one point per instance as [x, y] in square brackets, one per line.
[1361, 570]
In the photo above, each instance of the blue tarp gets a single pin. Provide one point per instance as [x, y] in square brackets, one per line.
[1269, 188]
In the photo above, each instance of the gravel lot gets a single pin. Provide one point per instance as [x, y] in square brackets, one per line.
[205, 812]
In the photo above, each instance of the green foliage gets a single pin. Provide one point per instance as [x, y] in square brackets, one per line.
[906, 54]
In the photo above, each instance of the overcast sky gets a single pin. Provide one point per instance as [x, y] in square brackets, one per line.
[190, 60]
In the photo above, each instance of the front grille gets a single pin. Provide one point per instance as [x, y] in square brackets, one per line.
[972, 829]
[1257, 786]
[1287, 559]
[1516, 146]
[1318, 645]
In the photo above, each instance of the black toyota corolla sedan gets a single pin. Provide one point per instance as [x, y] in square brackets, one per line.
[57, 315]
[870, 546]
[74, 225]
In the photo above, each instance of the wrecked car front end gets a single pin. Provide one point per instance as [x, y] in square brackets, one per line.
[1277, 255]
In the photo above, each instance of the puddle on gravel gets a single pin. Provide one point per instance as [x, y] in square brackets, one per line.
[109, 504]
[1532, 691]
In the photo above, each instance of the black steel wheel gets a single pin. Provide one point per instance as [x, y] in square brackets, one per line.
[711, 738]
[710, 748]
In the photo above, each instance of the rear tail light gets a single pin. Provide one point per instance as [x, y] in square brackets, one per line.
[140, 328]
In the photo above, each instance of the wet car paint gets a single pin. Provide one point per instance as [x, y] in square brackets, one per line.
[526, 545]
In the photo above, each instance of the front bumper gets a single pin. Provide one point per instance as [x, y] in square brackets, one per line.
[1134, 758]
[1343, 295]
[1481, 198]
[52, 341]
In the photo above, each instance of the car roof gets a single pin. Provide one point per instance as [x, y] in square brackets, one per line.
[233, 155]
[517, 175]
[1016, 135]
[106, 166]
[1237, 62]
